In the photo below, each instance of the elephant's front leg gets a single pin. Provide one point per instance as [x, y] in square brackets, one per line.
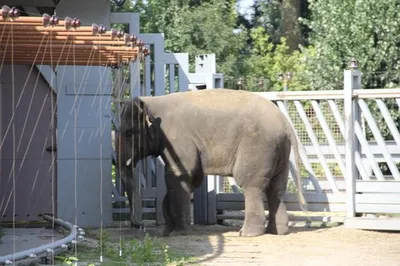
[179, 203]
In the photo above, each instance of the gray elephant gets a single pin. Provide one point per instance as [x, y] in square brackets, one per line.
[213, 132]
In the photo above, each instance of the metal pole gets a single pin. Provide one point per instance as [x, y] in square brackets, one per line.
[352, 80]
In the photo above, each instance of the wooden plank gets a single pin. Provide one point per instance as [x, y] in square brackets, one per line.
[149, 193]
[327, 219]
[378, 186]
[290, 197]
[329, 94]
[378, 198]
[378, 208]
[341, 184]
[372, 223]
[320, 207]
[127, 210]
[376, 149]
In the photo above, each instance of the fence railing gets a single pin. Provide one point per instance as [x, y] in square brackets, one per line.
[348, 137]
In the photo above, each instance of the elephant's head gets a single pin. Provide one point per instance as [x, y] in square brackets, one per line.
[138, 135]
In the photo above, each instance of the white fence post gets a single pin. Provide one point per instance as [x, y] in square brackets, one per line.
[352, 80]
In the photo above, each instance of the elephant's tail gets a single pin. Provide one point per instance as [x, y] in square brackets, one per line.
[295, 144]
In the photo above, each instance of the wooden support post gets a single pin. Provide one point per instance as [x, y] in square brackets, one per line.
[200, 203]
[137, 193]
[212, 199]
[352, 80]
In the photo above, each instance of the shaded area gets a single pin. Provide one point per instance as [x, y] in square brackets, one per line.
[19, 239]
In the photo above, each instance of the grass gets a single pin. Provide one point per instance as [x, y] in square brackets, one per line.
[146, 251]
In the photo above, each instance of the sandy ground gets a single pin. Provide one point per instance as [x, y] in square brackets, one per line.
[221, 245]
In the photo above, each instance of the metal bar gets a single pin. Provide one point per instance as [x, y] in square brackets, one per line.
[340, 123]
[328, 135]
[314, 140]
[171, 78]
[302, 95]
[389, 121]
[329, 94]
[378, 137]
[376, 93]
[73, 234]
[350, 175]
[302, 152]
[366, 149]
[147, 78]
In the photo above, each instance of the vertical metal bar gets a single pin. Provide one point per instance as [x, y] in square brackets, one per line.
[328, 135]
[171, 78]
[377, 134]
[211, 199]
[147, 78]
[137, 194]
[200, 203]
[349, 85]
[314, 140]
[302, 152]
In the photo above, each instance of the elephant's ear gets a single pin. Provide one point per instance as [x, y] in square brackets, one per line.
[136, 110]
[143, 112]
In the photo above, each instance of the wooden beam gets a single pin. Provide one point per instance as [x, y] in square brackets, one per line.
[32, 40]
[373, 223]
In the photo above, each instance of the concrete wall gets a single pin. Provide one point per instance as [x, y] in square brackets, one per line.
[27, 172]
[84, 130]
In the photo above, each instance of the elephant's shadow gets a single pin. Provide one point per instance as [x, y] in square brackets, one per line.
[208, 242]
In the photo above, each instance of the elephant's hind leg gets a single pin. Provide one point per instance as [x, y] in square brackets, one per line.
[278, 219]
[254, 222]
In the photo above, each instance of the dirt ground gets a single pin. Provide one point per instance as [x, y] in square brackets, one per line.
[221, 245]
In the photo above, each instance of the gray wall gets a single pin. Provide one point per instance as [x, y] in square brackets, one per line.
[33, 132]
[84, 130]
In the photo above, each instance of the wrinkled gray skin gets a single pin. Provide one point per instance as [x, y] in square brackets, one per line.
[213, 132]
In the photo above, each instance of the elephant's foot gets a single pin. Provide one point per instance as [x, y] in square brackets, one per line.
[136, 224]
[279, 224]
[180, 232]
[255, 227]
[168, 230]
[277, 229]
[250, 232]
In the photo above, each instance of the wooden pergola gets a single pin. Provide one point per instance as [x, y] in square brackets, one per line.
[48, 40]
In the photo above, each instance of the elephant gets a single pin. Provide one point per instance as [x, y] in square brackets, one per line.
[222, 132]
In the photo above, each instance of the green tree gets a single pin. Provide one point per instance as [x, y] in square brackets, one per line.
[365, 30]
[269, 61]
